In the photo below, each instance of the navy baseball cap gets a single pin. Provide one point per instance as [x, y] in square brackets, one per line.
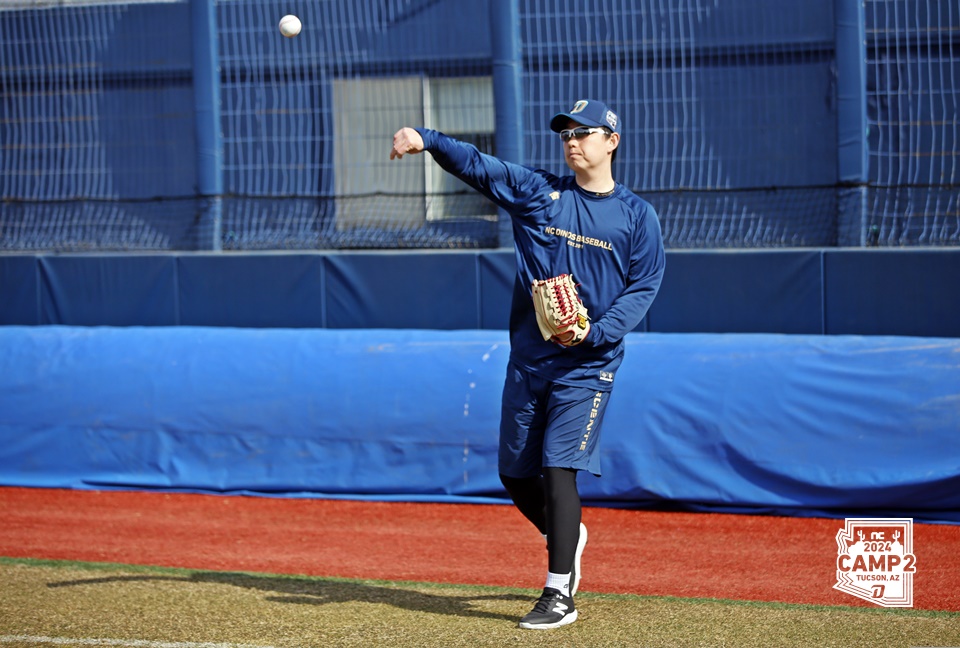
[589, 113]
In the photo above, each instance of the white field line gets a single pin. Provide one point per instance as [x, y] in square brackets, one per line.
[133, 643]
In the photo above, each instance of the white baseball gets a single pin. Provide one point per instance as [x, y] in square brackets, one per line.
[290, 26]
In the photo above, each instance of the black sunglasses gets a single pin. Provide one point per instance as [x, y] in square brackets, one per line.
[580, 133]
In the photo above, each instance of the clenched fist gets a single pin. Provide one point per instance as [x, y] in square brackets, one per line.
[406, 140]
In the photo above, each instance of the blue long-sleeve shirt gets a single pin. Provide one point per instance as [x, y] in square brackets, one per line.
[612, 246]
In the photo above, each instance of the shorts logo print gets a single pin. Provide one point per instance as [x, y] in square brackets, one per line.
[594, 413]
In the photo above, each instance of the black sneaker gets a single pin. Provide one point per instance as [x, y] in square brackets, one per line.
[552, 610]
[575, 570]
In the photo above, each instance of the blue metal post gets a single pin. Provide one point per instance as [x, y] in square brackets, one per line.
[852, 158]
[507, 91]
[209, 139]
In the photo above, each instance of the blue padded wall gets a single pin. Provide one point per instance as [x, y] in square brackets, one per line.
[772, 423]
[259, 291]
[108, 290]
[260, 410]
[740, 292]
[19, 290]
[384, 290]
[911, 292]
[497, 274]
[797, 292]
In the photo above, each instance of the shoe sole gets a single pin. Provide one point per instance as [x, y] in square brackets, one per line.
[566, 620]
[581, 543]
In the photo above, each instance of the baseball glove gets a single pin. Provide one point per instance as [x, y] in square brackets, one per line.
[561, 315]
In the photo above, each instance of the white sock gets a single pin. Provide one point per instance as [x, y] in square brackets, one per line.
[559, 582]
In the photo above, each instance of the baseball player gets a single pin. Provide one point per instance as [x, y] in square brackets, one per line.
[561, 370]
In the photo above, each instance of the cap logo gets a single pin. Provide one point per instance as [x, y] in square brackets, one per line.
[579, 106]
[611, 118]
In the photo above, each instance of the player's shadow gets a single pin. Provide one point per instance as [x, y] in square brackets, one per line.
[322, 592]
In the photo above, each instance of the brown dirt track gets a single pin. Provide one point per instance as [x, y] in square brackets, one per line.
[725, 556]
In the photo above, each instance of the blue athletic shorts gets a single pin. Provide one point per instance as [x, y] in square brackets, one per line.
[547, 425]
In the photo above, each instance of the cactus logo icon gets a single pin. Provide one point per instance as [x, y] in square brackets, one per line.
[875, 560]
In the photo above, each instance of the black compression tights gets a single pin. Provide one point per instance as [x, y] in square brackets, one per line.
[552, 504]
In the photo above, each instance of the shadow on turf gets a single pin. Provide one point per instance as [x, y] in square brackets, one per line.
[323, 592]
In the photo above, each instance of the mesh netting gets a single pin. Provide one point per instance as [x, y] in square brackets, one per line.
[729, 111]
